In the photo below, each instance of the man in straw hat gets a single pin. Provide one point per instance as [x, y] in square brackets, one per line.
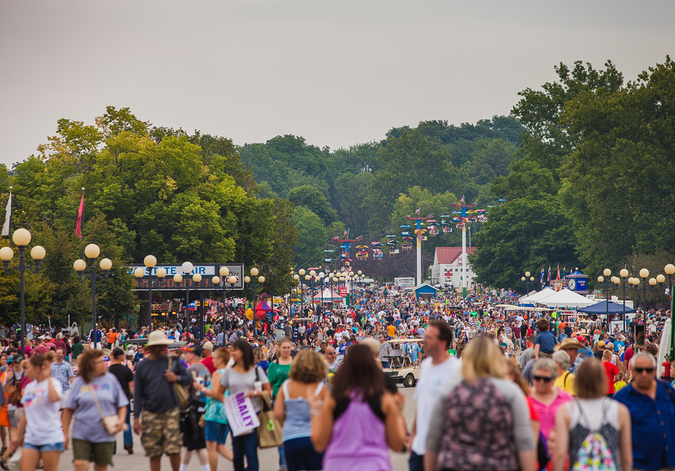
[571, 346]
[156, 409]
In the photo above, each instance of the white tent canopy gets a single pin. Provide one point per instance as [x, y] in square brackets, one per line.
[566, 298]
[537, 297]
[328, 296]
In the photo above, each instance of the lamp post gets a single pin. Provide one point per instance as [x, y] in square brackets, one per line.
[149, 261]
[312, 275]
[301, 276]
[92, 251]
[260, 279]
[644, 274]
[296, 277]
[607, 272]
[227, 280]
[21, 238]
[624, 274]
[670, 270]
[527, 279]
[322, 275]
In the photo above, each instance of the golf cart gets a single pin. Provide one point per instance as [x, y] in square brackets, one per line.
[399, 366]
[140, 343]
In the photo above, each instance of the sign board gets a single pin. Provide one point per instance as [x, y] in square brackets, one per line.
[241, 416]
[206, 270]
[343, 291]
[161, 307]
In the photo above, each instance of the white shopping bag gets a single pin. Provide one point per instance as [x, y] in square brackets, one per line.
[241, 417]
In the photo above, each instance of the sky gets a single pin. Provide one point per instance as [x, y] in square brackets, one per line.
[337, 72]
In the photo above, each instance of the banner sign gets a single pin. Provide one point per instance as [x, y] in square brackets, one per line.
[241, 416]
[161, 307]
[343, 291]
[206, 270]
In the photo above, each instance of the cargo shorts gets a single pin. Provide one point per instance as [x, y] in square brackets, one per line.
[161, 432]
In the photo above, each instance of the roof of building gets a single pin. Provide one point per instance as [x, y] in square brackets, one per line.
[447, 255]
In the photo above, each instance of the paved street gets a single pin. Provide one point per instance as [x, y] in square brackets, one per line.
[268, 458]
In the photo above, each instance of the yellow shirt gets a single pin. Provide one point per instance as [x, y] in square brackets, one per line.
[392, 331]
[565, 382]
[619, 385]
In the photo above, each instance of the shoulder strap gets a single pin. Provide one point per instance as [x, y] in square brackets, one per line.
[285, 389]
[565, 379]
[318, 389]
[98, 406]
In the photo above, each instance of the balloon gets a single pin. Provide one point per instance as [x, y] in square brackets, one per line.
[249, 314]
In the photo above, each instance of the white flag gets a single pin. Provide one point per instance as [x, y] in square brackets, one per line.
[8, 216]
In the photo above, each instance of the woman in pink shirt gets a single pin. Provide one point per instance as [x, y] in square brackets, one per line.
[545, 397]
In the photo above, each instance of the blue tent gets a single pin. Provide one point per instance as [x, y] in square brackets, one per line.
[425, 291]
[601, 308]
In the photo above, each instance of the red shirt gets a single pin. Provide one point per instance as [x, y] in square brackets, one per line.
[628, 354]
[611, 370]
[208, 363]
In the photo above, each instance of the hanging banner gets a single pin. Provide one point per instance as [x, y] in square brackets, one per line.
[241, 416]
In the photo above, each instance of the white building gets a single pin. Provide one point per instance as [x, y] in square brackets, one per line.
[447, 267]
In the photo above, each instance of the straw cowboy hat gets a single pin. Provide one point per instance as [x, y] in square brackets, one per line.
[157, 338]
[568, 343]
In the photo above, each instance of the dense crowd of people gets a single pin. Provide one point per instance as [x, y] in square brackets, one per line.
[497, 390]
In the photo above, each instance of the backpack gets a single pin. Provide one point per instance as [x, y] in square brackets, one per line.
[594, 453]
[14, 392]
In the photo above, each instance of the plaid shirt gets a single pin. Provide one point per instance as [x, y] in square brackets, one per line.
[62, 372]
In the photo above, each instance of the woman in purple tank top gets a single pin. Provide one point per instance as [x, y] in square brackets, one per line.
[360, 419]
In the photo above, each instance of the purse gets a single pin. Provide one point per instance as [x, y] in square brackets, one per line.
[107, 421]
[270, 430]
[182, 395]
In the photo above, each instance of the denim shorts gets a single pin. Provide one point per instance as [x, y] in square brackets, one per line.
[216, 432]
[44, 448]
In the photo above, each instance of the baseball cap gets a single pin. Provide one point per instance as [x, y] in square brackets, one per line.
[581, 339]
[207, 346]
[196, 349]
[601, 344]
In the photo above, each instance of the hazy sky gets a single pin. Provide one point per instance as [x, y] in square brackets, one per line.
[338, 72]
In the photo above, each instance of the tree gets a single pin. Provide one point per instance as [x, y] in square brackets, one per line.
[617, 184]
[312, 236]
[408, 161]
[522, 235]
[546, 140]
[310, 197]
[491, 160]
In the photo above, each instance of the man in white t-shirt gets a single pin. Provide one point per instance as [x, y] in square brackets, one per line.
[435, 372]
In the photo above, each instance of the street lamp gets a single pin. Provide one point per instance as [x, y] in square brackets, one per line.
[670, 270]
[624, 274]
[92, 251]
[187, 268]
[607, 272]
[527, 279]
[21, 238]
[149, 261]
[260, 279]
[301, 276]
[227, 280]
[644, 273]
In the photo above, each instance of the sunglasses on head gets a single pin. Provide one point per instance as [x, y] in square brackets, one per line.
[545, 379]
[642, 370]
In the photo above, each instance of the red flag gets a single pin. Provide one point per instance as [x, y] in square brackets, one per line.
[78, 229]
